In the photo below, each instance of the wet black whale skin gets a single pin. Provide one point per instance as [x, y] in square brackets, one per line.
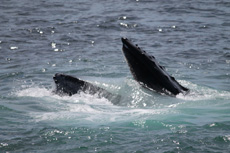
[147, 71]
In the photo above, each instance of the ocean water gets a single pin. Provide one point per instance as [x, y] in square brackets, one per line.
[82, 38]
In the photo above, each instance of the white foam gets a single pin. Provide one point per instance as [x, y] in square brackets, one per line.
[82, 108]
[33, 92]
[87, 108]
[97, 114]
[198, 93]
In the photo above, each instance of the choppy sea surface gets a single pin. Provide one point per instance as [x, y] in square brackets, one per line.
[82, 38]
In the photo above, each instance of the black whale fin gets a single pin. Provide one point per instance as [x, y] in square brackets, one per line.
[148, 72]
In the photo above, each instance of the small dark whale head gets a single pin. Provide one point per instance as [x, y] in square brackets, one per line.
[147, 71]
[67, 85]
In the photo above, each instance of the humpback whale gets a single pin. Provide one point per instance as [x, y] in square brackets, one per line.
[69, 85]
[148, 72]
[144, 68]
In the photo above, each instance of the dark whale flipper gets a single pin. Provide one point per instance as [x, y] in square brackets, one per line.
[69, 85]
[147, 71]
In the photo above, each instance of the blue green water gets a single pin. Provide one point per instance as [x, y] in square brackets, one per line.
[82, 39]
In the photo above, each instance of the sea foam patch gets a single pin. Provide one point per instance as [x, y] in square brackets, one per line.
[33, 92]
[89, 109]
[83, 108]
[198, 93]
